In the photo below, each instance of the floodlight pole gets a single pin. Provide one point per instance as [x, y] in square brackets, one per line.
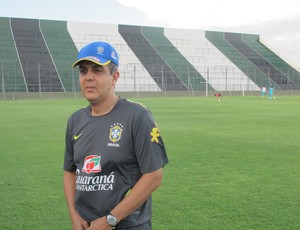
[206, 83]
[226, 80]
[134, 79]
[243, 90]
[2, 81]
[189, 82]
[73, 84]
[162, 78]
[39, 74]
[3, 88]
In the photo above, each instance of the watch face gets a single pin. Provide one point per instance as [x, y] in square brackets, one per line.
[111, 220]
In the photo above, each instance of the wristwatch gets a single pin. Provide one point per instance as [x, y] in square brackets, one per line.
[111, 220]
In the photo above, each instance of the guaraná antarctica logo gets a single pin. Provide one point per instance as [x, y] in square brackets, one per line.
[92, 164]
[92, 183]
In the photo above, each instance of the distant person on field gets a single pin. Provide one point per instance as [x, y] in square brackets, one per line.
[271, 91]
[114, 152]
[218, 95]
[263, 91]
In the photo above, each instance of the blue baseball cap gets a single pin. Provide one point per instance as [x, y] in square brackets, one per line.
[101, 53]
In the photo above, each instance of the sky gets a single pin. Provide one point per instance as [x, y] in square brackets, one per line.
[277, 22]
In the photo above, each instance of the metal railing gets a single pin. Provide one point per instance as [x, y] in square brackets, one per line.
[139, 79]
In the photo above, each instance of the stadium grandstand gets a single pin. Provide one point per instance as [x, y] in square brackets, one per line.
[36, 56]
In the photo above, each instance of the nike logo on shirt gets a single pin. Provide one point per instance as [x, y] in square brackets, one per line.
[77, 136]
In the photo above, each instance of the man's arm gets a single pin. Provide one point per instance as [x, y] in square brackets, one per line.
[143, 189]
[69, 190]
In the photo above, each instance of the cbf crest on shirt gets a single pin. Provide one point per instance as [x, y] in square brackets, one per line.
[115, 132]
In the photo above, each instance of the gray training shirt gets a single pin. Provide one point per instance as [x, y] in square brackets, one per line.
[109, 154]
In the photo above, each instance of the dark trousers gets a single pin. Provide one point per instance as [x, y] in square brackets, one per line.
[145, 226]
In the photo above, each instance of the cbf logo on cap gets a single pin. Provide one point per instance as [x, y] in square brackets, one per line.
[101, 53]
[100, 50]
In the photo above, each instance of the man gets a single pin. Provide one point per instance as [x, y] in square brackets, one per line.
[114, 152]
[271, 91]
[263, 90]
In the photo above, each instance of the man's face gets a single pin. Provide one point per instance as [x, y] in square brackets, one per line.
[96, 82]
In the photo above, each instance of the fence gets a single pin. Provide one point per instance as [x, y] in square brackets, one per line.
[40, 79]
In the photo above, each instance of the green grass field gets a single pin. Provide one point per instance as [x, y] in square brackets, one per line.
[234, 164]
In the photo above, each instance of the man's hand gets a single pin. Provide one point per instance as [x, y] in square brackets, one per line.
[78, 223]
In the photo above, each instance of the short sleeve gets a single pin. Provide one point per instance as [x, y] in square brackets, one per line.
[148, 144]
